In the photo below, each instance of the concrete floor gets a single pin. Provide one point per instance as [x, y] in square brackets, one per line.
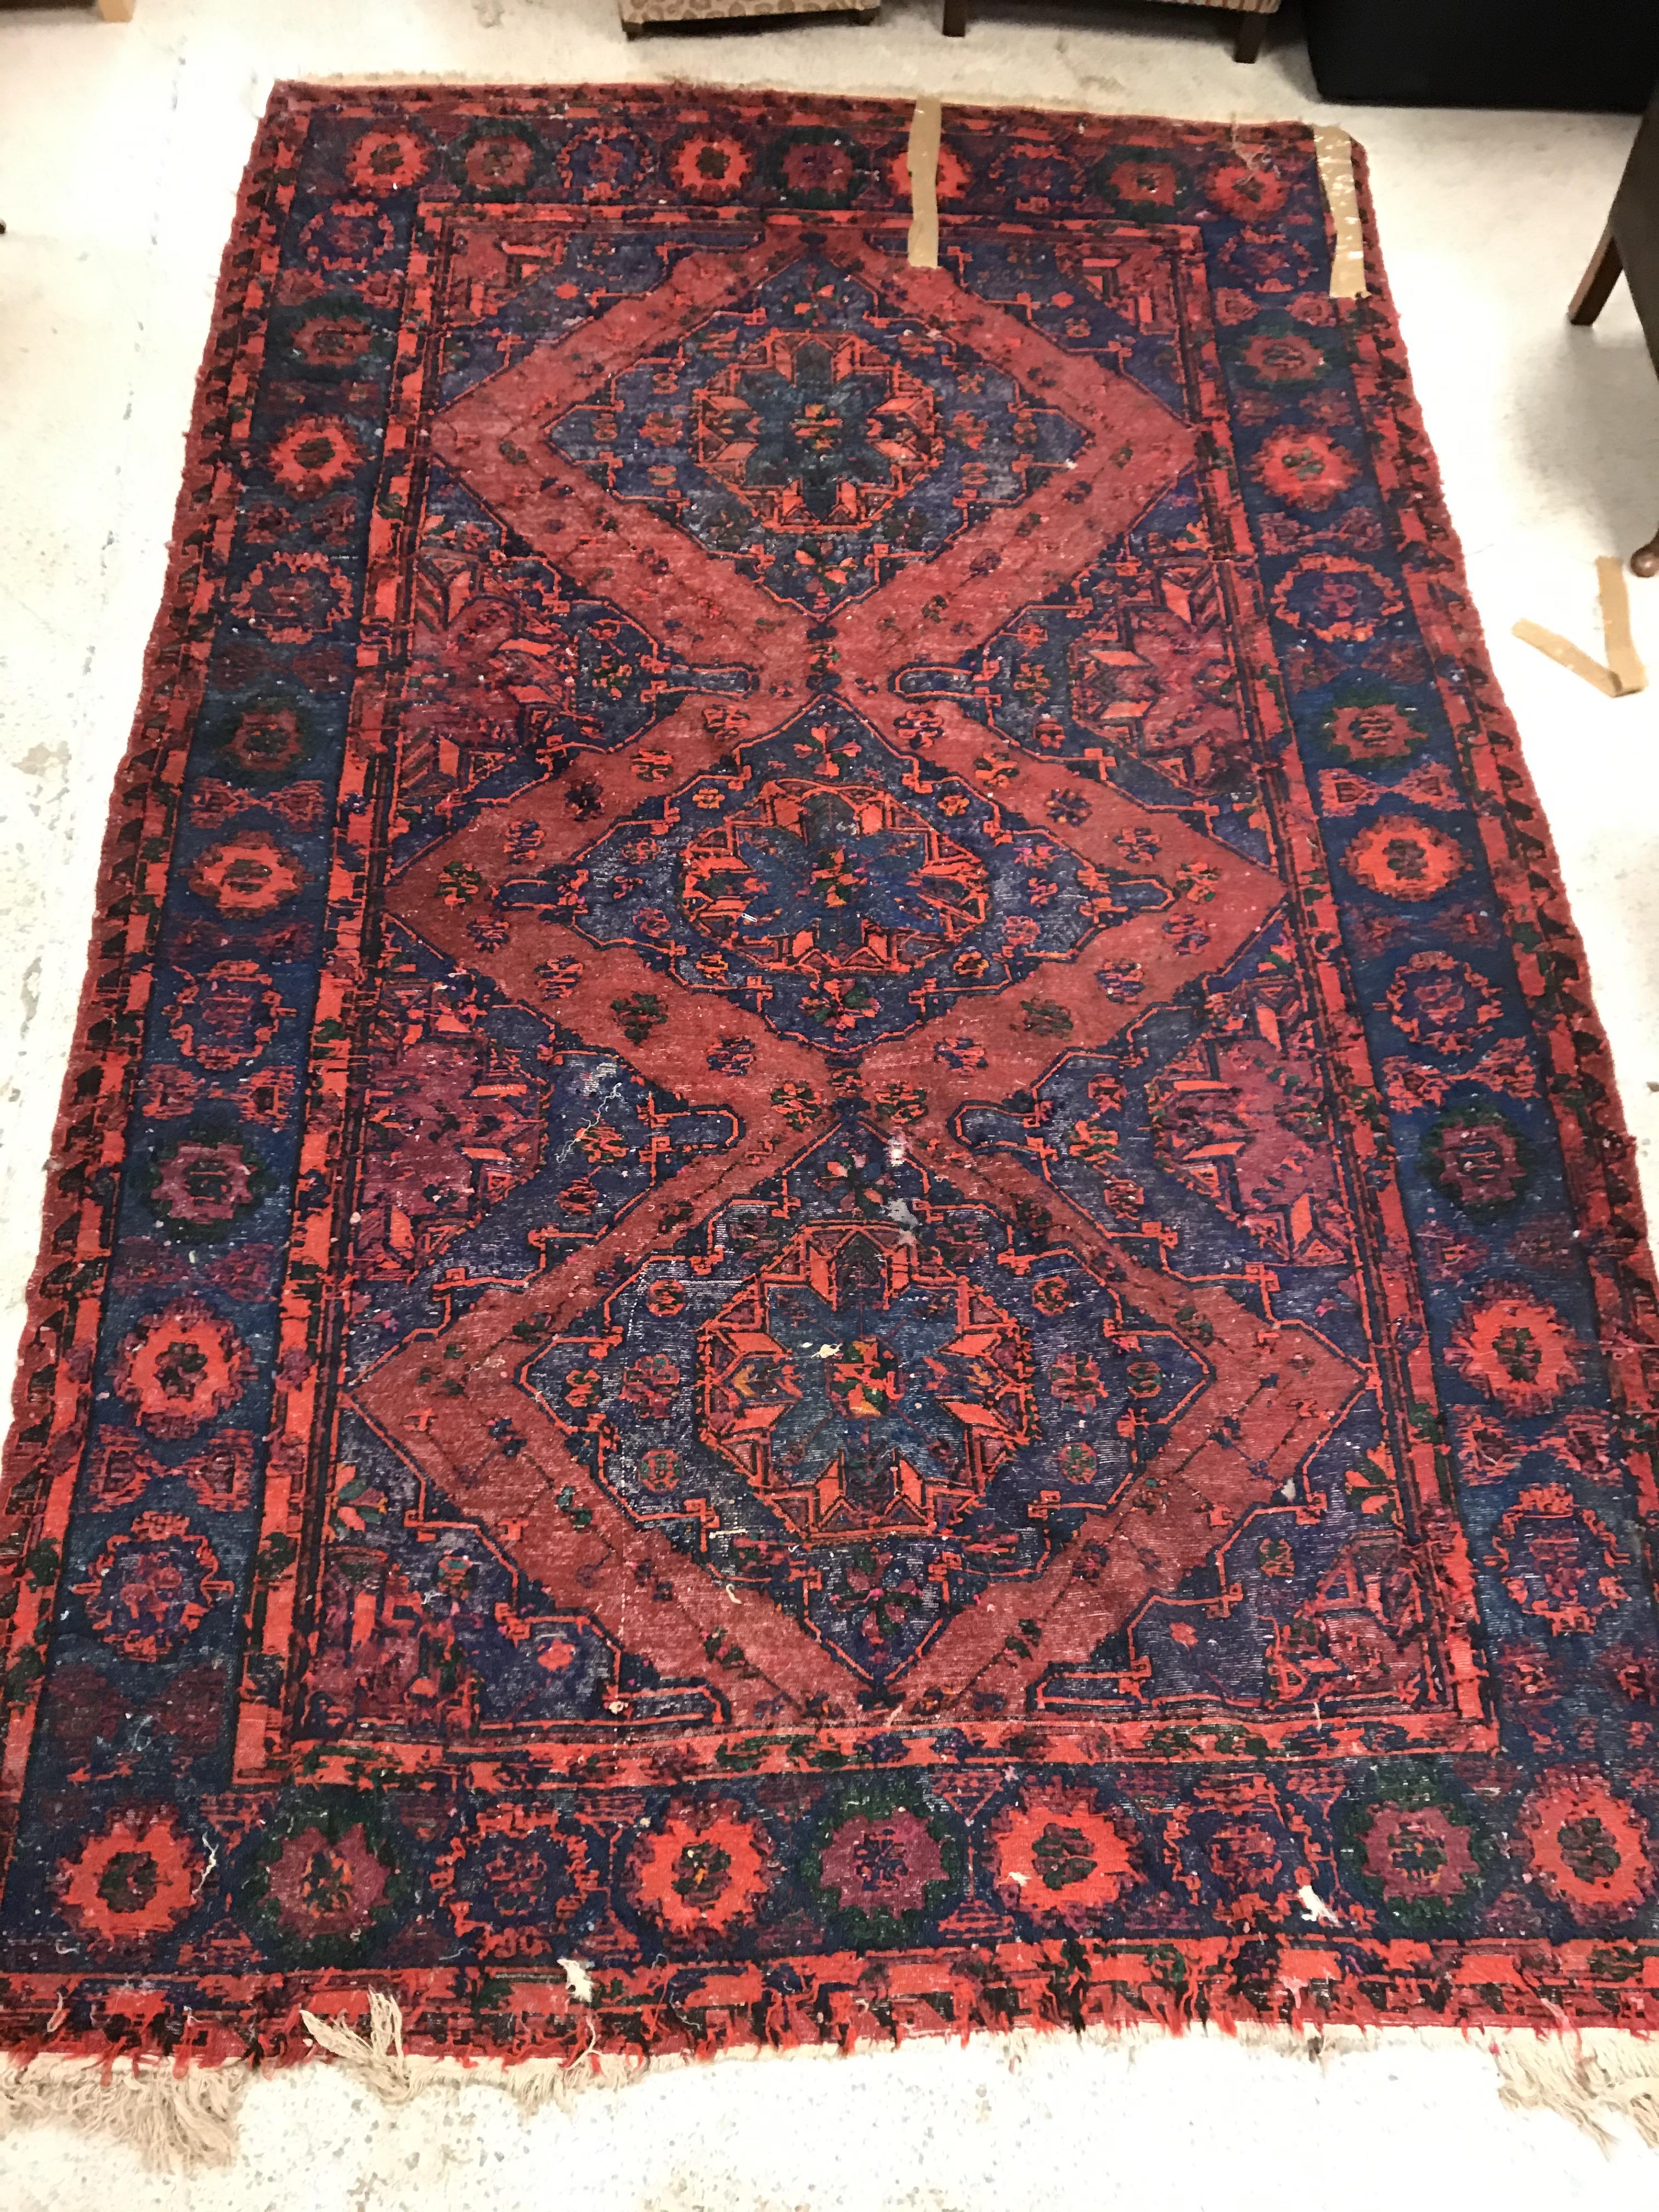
[120, 149]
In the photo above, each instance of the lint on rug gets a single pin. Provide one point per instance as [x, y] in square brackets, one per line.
[839, 1227]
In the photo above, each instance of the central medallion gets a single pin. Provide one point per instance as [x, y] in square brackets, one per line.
[816, 432]
[841, 890]
[852, 1392]
[820, 879]
[847, 1431]
[818, 437]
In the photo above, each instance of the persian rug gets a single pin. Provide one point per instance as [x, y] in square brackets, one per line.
[839, 1246]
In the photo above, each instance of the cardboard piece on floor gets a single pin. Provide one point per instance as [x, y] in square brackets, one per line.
[1625, 673]
[1624, 662]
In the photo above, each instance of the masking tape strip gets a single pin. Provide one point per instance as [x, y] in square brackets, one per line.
[1623, 674]
[1624, 662]
[923, 161]
[1334, 151]
[1565, 654]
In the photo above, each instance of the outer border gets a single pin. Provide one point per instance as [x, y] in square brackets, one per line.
[1521, 853]
[65, 1290]
[1232, 1982]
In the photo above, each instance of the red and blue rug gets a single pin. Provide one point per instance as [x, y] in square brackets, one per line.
[838, 1223]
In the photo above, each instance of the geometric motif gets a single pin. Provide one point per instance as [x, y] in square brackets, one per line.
[794, 433]
[870, 1416]
[843, 905]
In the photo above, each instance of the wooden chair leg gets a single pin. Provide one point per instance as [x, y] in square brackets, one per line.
[1252, 30]
[116, 11]
[956, 19]
[1644, 561]
[1598, 280]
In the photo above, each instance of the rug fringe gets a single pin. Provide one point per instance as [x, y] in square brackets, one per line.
[378, 2061]
[1590, 2078]
[177, 2121]
[183, 2119]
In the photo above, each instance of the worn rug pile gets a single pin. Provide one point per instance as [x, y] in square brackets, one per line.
[839, 1246]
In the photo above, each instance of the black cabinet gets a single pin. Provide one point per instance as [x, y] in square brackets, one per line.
[1593, 54]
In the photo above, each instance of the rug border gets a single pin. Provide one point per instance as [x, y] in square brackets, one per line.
[134, 2018]
[140, 777]
[1514, 790]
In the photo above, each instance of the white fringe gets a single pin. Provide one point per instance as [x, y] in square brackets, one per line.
[378, 2061]
[180, 2120]
[176, 2122]
[1589, 2078]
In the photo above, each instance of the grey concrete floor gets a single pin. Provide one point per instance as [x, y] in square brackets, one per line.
[120, 150]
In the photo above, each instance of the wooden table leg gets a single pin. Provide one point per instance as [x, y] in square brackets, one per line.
[956, 19]
[1252, 30]
[116, 11]
[1597, 280]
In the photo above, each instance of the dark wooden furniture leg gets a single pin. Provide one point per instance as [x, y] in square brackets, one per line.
[956, 19]
[1252, 30]
[1606, 265]
[1630, 246]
